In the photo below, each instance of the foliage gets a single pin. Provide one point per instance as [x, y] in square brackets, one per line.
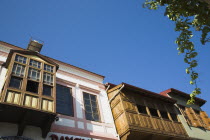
[189, 16]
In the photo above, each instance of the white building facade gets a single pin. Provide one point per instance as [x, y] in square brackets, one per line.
[82, 106]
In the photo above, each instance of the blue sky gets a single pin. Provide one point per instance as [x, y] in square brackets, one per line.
[115, 38]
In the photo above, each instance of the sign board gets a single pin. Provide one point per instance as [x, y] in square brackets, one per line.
[59, 136]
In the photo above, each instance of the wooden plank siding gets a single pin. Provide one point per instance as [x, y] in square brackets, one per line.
[131, 124]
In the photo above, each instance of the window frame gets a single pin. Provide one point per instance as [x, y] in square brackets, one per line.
[17, 77]
[32, 66]
[21, 56]
[72, 100]
[97, 104]
[23, 69]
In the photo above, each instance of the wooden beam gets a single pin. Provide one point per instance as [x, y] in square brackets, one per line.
[22, 124]
[47, 125]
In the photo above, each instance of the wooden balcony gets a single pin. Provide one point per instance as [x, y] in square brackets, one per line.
[29, 93]
[142, 115]
[140, 127]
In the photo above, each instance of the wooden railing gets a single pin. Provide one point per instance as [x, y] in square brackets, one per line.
[145, 122]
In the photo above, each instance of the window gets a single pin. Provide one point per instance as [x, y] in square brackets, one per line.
[33, 74]
[48, 78]
[47, 90]
[64, 101]
[32, 86]
[35, 63]
[91, 107]
[18, 69]
[142, 109]
[48, 68]
[164, 114]
[20, 59]
[15, 82]
[153, 112]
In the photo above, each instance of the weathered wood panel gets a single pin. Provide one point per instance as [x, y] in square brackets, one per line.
[154, 124]
[121, 124]
[117, 110]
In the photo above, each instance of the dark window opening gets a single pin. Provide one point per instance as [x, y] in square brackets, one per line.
[15, 82]
[47, 90]
[142, 109]
[164, 114]
[153, 112]
[32, 86]
[174, 117]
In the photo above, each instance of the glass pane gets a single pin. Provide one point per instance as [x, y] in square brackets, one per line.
[18, 69]
[64, 100]
[88, 116]
[35, 63]
[93, 97]
[95, 117]
[87, 102]
[95, 110]
[20, 59]
[48, 78]
[88, 108]
[91, 107]
[33, 74]
[94, 104]
[48, 68]
[86, 96]
[15, 82]
[47, 90]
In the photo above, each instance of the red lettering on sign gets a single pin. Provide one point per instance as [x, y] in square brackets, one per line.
[67, 138]
[54, 137]
[62, 138]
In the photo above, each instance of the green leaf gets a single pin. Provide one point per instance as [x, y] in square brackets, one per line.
[187, 70]
[191, 82]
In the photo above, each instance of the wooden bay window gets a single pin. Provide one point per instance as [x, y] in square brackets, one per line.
[32, 79]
